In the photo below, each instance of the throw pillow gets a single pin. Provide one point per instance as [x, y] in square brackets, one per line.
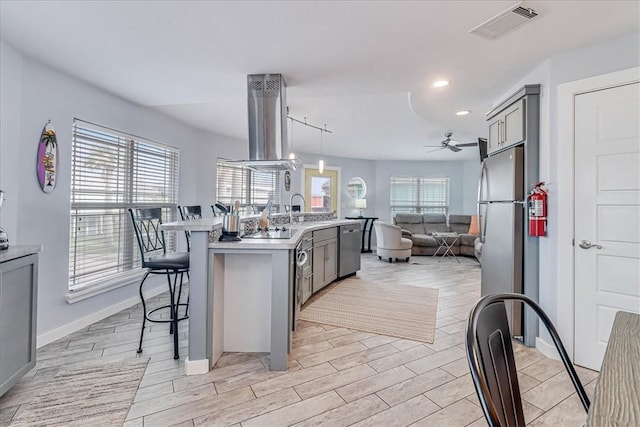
[474, 228]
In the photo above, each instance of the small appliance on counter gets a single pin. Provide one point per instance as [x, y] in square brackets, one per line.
[231, 224]
[4, 237]
[230, 228]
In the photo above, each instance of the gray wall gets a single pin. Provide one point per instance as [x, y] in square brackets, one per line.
[32, 94]
[349, 168]
[462, 182]
[463, 177]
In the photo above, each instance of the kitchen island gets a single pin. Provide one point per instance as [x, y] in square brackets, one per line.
[242, 294]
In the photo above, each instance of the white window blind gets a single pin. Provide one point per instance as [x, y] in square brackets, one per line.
[419, 195]
[112, 171]
[252, 188]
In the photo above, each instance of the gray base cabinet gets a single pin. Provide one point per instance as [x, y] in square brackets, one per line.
[325, 257]
[307, 288]
[18, 296]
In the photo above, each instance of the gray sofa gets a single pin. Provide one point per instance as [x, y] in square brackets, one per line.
[418, 227]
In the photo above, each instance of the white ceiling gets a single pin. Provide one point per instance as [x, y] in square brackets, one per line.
[363, 68]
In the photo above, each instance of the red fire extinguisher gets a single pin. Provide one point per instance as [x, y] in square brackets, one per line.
[538, 211]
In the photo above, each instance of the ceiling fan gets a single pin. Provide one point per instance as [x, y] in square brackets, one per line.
[451, 144]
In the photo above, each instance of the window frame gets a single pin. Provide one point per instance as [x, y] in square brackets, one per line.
[245, 182]
[145, 174]
[416, 205]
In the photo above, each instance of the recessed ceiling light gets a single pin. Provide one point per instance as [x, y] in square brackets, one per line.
[441, 83]
[462, 112]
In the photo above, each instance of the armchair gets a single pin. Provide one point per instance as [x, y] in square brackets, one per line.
[390, 243]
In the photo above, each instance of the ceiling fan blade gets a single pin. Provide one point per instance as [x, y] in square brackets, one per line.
[467, 144]
[454, 148]
[432, 146]
[437, 149]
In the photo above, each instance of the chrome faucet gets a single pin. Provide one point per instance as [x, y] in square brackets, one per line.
[291, 205]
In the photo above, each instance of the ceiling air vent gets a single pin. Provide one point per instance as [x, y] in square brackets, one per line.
[504, 22]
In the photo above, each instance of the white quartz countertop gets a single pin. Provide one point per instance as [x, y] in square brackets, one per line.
[203, 224]
[209, 224]
[18, 251]
[275, 244]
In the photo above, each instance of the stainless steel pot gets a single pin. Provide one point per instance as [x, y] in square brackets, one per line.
[231, 224]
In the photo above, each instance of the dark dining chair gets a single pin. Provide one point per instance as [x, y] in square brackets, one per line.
[492, 362]
[155, 259]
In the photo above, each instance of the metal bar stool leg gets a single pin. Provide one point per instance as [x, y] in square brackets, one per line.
[144, 312]
[171, 299]
[174, 313]
[186, 310]
[179, 296]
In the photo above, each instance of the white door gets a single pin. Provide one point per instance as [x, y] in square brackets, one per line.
[607, 215]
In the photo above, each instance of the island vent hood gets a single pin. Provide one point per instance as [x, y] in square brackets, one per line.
[267, 107]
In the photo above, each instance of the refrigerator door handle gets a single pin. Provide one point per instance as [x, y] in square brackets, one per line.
[483, 167]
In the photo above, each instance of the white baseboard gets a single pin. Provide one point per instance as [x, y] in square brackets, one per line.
[76, 325]
[196, 367]
[549, 350]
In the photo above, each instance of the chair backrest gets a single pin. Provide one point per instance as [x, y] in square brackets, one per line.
[387, 235]
[219, 209]
[410, 222]
[498, 364]
[492, 362]
[146, 224]
[191, 212]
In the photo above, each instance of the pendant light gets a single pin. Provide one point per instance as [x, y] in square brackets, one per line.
[292, 154]
[321, 129]
[321, 161]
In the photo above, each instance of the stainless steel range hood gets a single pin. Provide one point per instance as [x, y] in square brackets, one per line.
[267, 107]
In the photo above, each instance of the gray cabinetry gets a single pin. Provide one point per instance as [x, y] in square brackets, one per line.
[307, 288]
[18, 296]
[325, 257]
[507, 127]
[305, 270]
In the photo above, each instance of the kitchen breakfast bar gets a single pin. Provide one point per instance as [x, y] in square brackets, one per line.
[242, 294]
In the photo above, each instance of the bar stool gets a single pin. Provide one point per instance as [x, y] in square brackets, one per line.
[154, 257]
[219, 209]
[189, 213]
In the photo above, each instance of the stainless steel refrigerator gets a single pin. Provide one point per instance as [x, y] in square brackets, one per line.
[501, 205]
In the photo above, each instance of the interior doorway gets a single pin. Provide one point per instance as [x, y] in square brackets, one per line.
[598, 210]
[607, 220]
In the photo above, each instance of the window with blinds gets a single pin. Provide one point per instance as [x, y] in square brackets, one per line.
[419, 195]
[252, 188]
[112, 171]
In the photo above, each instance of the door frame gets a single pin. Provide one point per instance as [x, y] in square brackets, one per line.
[339, 183]
[565, 277]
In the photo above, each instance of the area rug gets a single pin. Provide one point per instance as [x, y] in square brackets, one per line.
[86, 395]
[447, 261]
[387, 309]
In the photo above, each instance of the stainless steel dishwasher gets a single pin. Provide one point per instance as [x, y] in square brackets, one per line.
[349, 255]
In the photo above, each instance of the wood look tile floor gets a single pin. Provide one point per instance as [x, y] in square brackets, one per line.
[336, 376]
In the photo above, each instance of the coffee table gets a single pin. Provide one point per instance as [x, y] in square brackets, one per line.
[446, 242]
